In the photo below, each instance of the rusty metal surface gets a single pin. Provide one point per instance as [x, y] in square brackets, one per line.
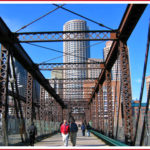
[101, 109]
[73, 79]
[127, 96]
[42, 103]
[109, 104]
[4, 67]
[71, 66]
[23, 58]
[29, 99]
[48, 108]
[93, 114]
[66, 36]
[130, 19]
[126, 27]
[42, 108]
[97, 111]
[128, 22]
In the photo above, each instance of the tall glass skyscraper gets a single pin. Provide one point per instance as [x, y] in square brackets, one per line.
[75, 52]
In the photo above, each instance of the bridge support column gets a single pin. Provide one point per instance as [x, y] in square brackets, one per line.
[109, 104]
[127, 97]
[29, 101]
[42, 108]
[55, 114]
[92, 113]
[96, 112]
[4, 67]
[49, 113]
[101, 109]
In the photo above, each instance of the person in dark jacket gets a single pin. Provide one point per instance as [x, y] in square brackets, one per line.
[73, 132]
[32, 130]
[88, 127]
[83, 129]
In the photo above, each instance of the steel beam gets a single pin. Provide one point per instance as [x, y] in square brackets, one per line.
[75, 82]
[93, 112]
[47, 68]
[75, 93]
[42, 108]
[101, 109]
[126, 27]
[126, 93]
[70, 66]
[109, 104]
[7, 39]
[29, 100]
[128, 23]
[58, 36]
[4, 67]
[96, 108]
[75, 88]
[76, 79]
[49, 108]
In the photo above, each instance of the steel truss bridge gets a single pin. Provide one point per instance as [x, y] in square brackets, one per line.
[37, 100]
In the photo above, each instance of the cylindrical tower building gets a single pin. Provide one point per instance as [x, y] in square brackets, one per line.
[75, 52]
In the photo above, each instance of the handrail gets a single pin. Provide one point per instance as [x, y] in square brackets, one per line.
[108, 139]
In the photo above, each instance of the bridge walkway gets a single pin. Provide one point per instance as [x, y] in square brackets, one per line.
[82, 141]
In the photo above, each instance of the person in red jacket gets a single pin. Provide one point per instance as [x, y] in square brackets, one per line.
[65, 129]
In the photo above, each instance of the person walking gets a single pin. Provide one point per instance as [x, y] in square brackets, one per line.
[73, 132]
[65, 129]
[88, 127]
[32, 130]
[83, 129]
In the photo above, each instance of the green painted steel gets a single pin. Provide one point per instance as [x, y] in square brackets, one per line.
[107, 139]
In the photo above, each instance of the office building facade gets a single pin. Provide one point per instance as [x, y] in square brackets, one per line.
[56, 80]
[91, 68]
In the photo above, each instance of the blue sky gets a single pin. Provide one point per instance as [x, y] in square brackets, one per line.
[18, 15]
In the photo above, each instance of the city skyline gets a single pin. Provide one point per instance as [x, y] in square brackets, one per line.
[136, 43]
